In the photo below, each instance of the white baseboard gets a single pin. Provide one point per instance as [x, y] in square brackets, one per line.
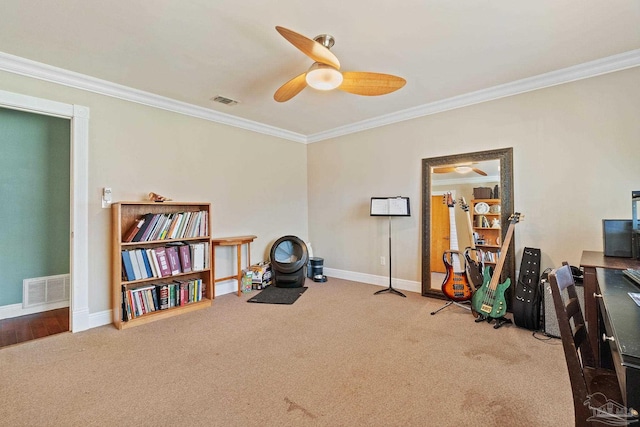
[100, 318]
[226, 287]
[400, 284]
[15, 310]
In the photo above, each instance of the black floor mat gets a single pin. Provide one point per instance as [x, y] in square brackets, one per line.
[275, 295]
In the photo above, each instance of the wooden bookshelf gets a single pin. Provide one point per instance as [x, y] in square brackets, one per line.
[489, 236]
[124, 216]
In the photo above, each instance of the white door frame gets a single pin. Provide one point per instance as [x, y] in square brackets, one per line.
[79, 248]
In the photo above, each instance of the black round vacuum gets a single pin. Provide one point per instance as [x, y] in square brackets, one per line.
[289, 256]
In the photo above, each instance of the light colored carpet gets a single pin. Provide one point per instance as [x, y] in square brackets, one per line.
[339, 356]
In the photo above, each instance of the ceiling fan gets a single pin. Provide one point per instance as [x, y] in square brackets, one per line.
[461, 168]
[324, 74]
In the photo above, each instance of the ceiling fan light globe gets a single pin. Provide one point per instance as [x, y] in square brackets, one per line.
[323, 77]
[463, 169]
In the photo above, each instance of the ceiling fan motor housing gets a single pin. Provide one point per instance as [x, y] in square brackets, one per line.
[289, 257]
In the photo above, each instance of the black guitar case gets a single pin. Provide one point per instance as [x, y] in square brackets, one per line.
[527, 294]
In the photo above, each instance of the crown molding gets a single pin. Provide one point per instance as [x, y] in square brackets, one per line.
[26, 67]
[586, 70]
[37, 70]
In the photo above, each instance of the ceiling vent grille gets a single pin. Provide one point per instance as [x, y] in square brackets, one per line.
[224, 100]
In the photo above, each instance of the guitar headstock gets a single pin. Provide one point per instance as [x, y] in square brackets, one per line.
[447, 199]
[515, 218]
[463, 204]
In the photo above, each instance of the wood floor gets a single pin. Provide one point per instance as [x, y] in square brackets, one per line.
[32, 326]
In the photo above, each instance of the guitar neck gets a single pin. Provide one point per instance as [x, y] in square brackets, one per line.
[495, 279]
[470, 227]
[453, 238]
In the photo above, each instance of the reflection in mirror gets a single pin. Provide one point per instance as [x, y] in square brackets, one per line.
[450, 224]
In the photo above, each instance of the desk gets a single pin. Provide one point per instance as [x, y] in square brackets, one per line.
[590, 261]
[621, 321]
[237, 241]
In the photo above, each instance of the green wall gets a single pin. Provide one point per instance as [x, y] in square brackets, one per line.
[34, 199]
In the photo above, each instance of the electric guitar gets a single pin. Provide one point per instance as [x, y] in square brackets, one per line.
[473, 256]
[489, 300]
[456, 285]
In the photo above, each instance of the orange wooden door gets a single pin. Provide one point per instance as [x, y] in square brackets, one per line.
[440, 240]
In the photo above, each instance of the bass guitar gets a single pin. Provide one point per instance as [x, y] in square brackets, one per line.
[489, 301]
[456, 285]
[473, 256]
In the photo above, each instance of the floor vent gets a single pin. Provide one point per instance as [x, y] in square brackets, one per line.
[45, 290]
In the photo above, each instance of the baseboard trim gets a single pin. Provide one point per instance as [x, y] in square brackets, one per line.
[227, 287]
[371, 279]
[16, 310]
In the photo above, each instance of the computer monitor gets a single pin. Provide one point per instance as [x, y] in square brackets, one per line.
[616, 234]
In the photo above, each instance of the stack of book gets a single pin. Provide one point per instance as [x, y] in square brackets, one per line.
[178, 225]
[163, 261]
[142, 300]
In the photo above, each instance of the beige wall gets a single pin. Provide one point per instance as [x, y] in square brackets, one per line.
[576, 151]
[136, 149]
[576, 160]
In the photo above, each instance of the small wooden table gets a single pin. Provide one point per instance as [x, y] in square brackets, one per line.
[237, 241]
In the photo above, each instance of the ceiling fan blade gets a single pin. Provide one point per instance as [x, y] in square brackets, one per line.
[311, 48]
[479, 172]
[291, 88]
[370, 84]
[445, 169]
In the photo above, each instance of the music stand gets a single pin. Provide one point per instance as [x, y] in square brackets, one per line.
[390, 206]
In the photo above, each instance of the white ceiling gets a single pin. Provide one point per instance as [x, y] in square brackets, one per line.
[193, 50]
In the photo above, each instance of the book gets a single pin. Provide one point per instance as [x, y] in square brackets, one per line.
[165, 227]
[206, 255]
[125, 316]
[171, 234]
[183, 225]
[154, 260]
[147, 264]
[197, 256]
[147, 222]
[128, 267]
[162, 219]
[174, 259]
[137, 272]
[147, 233]
[131, 233]
[163, 296]
[143, 268]
[185, 258]
[152, 264]
[163, 262]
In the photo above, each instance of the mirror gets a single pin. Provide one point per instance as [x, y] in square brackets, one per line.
[434, 186]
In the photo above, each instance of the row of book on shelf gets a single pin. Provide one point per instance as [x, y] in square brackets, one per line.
[162, 296]
[491, 256]
[177, 225]
[170, 260]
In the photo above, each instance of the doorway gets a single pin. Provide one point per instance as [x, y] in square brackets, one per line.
[79, 318]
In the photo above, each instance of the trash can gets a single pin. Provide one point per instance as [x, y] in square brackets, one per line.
[314, 269]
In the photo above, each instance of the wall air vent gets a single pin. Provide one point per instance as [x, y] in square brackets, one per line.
[45, 290]
[224, 100]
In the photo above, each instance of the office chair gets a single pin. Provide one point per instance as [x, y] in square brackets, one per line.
[586, 379]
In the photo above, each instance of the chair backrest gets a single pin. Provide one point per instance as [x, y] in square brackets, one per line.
[575, 340]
